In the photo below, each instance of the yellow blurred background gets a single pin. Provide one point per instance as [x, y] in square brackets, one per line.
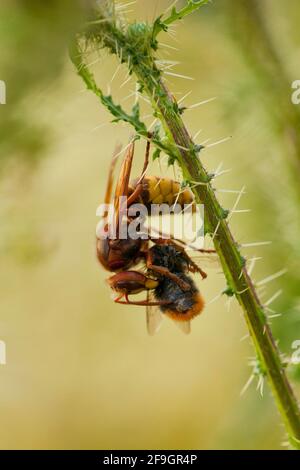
[81, 371]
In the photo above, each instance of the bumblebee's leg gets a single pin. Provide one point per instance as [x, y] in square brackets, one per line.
[166, 272]
[193, 267]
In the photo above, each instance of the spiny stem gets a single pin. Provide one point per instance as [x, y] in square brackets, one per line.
[136, 47]
[192, 5]
[175, 15]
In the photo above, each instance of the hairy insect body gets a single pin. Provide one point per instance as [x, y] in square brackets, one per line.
[183, 306]
[178, 304]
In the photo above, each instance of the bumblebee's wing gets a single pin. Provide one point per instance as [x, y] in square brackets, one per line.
[153, 317]
[205, 260]
[204, 257]
[184, 326]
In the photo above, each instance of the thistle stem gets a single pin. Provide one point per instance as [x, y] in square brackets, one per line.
[231, 259]
[181, 148]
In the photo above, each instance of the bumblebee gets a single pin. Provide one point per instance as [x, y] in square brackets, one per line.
[176, 297]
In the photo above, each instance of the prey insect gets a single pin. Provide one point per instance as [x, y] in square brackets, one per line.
[167, 262]
[178, 302]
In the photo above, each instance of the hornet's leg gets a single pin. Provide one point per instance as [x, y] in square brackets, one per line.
[139, 187]
[144, 303]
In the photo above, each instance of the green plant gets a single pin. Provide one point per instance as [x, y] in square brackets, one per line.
[265, 79]
[136, 45]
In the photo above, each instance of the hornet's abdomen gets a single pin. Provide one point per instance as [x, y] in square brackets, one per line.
[163, 191]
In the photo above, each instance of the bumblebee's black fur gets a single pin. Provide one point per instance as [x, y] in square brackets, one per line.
[169, 257]
[169, 290]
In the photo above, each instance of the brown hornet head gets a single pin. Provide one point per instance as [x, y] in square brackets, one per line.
[115, 255]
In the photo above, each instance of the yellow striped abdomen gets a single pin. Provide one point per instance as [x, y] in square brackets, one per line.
[163, 191]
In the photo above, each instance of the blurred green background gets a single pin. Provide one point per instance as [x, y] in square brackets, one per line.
[81, 371]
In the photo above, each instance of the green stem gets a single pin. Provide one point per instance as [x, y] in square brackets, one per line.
[182, 148]
[175, 15]
[228, 251]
